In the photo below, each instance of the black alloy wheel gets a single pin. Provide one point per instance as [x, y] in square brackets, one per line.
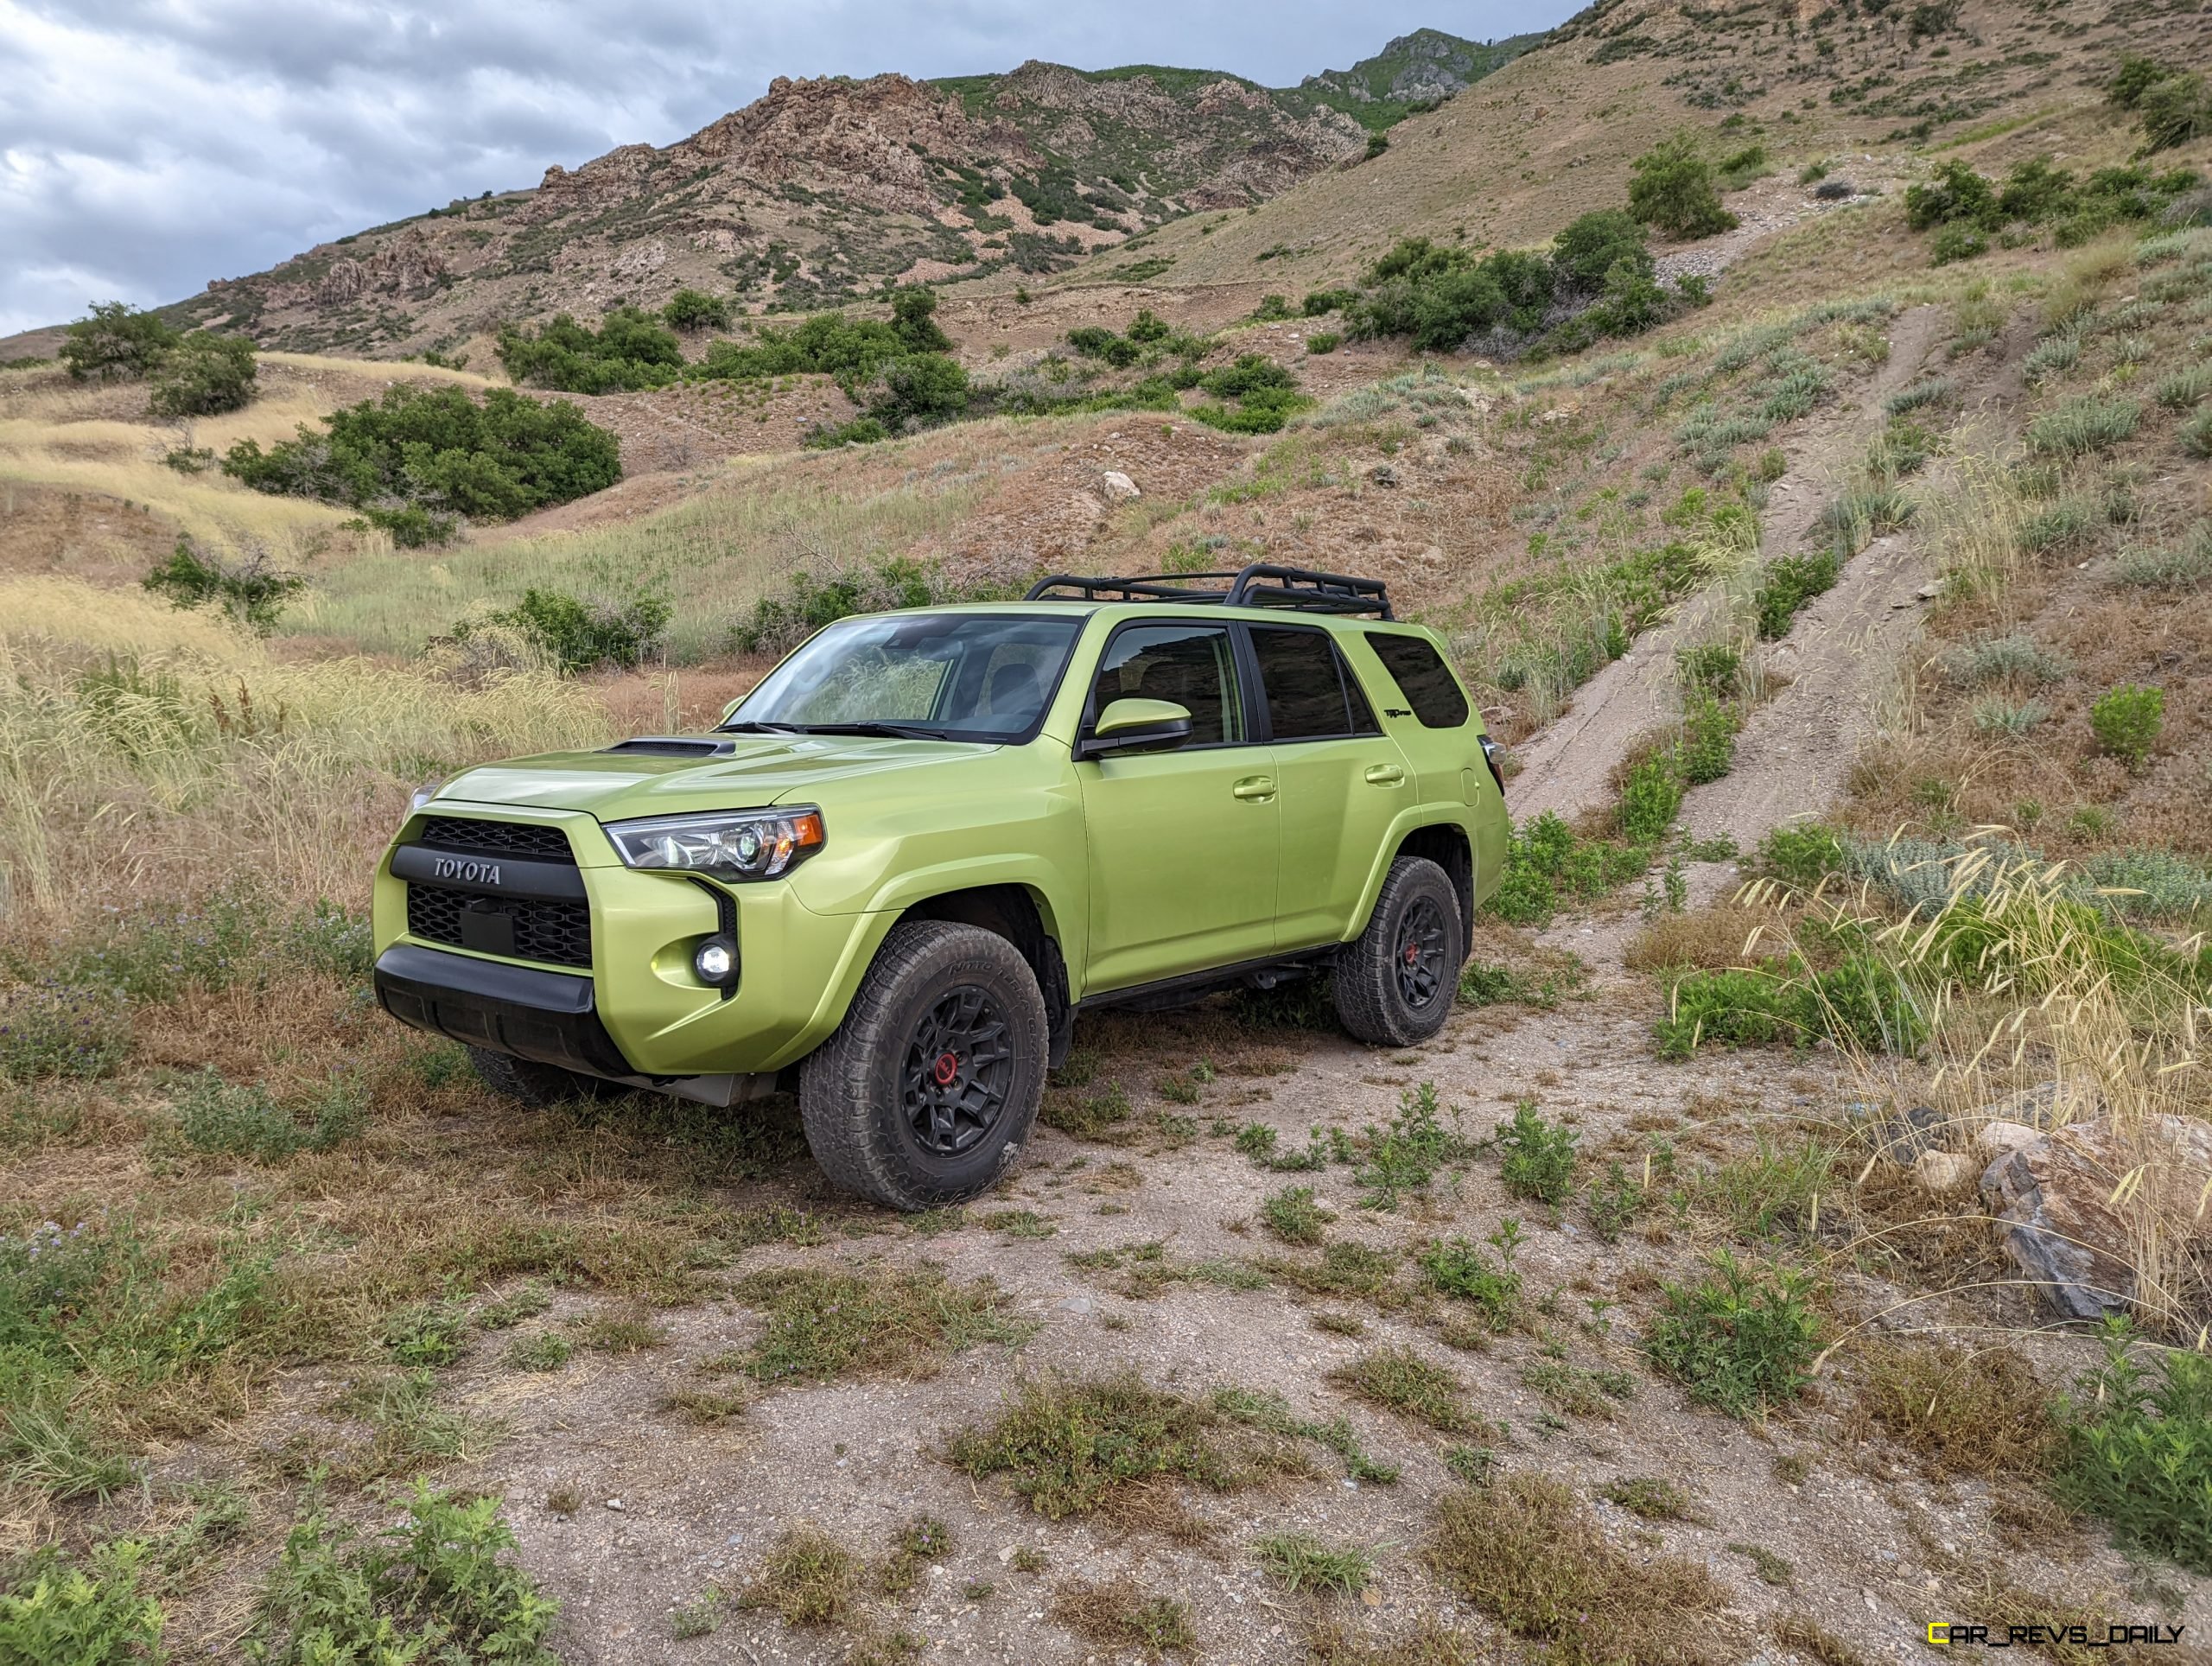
[1422, 953]
[959, 1072]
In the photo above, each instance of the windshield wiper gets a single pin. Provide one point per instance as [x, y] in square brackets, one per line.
[750, 727]
[888, 731]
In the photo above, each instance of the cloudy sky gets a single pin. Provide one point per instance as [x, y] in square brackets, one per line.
[149, 145]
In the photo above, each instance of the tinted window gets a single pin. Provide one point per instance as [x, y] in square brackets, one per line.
[1309, 695]
[1190, 664]
[1423, 678]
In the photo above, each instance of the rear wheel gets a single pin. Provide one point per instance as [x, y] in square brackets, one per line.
[538, 1086]
[926, 1094]
[1394, 983]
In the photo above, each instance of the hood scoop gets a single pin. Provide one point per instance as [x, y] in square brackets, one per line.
[675, 746]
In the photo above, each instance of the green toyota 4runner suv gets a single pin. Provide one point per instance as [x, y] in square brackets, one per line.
[928, 839]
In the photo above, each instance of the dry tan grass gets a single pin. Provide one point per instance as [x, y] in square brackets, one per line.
[198, 755]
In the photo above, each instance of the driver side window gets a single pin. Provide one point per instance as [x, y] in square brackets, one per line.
[1194, 665]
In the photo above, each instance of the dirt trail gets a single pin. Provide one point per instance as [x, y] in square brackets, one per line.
[1568, 768]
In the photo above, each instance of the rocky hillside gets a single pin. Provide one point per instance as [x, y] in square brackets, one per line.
[825, 189]
[1864, 89]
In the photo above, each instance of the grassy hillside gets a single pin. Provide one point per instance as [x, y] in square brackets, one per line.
[1849, 635]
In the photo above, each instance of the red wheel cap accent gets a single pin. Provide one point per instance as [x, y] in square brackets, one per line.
[946, 1068]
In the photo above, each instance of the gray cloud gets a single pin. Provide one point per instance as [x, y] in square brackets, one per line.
[147, 146]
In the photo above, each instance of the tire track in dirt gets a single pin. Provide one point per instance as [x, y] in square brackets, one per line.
[1567, 767]
[1840, 658]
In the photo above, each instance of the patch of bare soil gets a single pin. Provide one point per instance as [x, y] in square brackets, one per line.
[96, 538]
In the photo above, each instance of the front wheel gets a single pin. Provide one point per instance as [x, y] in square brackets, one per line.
[926, 1094]
[1396, 982]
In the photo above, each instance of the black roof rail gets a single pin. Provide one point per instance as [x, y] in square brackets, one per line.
[1258, 585]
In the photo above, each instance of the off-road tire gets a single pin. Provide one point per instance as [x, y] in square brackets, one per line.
[860, 1091]
[540, 1087]
[1397, 981]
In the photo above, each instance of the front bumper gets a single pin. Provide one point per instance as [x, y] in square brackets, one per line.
[638, 1010]
[550, 1017]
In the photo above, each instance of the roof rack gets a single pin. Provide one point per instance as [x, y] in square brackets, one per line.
[1259, 585]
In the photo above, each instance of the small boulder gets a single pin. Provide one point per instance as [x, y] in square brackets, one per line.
[1999, 1137]
[2055, 1208]
[2044, 1107]
[1942, 1171]
[1117, 486]
[1901, 1137]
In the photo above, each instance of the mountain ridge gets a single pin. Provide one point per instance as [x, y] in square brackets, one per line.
[827, 189]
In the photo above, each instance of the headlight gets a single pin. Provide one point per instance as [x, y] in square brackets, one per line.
[424, 793]
[756, 844]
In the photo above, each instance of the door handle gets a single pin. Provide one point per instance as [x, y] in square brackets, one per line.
[1255, 789]
[1384, 775]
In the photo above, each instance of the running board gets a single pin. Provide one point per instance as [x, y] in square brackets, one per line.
[1253, 974]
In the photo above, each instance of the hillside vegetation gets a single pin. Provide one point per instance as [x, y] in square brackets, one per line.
[1798, 1236]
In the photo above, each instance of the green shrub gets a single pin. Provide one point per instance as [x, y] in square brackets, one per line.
[249, 590]
[2182, 566]
[1586, 251]
[204, 375]
[1266, 392]
[918, 390]
[579, 635]
[1956, 196]
[1862, 1004]
[116, 343]
[1710, 668]
[1746, 165]
[1672, 189]
[2127, 721]
[2195, 434]
[1093, 343]
[2083, 425]
[1953, 243]
[1539, 1160]
[1320, 303]
[2014, 657]
[1733, 1007]
[1149, 328]
[2138, 1451]
[781, 623]
[1651, 796]
[1740, 1340]
[1546, 865]
[2051, 355]
[62, 1029]
[1792, 583]
[1707, 749]
[1803, 855]
[58, 1613]
[691, 309]
[1460, 1268]
[434, 452]
[630, 350]
[437, 1586]
[1324, 342]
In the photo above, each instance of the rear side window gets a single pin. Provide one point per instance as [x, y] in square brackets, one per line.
[1311, 693]
[1422, 677]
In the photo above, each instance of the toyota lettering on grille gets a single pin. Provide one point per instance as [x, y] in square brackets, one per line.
[468, 873]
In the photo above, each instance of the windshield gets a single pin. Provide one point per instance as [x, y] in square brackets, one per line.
[963, 677]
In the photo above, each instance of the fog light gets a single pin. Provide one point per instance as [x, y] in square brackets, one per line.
[715, 962]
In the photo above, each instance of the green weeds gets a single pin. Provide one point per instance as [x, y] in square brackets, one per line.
[1740, 1339]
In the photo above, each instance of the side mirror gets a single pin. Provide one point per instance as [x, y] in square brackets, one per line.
[730, 709]
[1136, 725]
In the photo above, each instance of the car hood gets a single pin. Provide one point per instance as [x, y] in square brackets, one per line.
[677, 777]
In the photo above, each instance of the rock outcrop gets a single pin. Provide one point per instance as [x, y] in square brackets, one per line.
[2073, 1220]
